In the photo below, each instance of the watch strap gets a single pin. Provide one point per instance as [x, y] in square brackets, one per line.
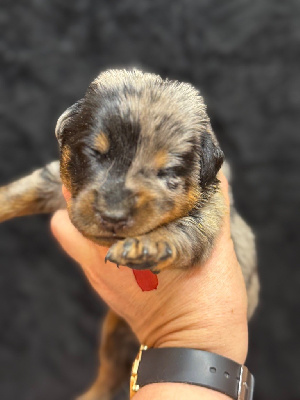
[196, 367]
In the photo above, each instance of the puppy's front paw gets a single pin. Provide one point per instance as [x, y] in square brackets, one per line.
[139, 253]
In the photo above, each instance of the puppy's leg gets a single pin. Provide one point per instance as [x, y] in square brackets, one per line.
[37, 193]
[180, 244]
[118, 349]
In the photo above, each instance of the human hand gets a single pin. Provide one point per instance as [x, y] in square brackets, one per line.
[204, 307]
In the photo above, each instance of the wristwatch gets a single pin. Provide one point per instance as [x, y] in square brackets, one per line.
[191, 366]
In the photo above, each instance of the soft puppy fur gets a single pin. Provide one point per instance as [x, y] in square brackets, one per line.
[139, 157]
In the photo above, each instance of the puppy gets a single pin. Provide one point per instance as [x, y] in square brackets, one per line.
[139, 157]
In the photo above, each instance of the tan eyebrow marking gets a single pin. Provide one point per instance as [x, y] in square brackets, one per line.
[160, 159]
[101, 142]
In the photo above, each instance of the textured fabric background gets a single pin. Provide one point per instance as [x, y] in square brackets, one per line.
[244, 56]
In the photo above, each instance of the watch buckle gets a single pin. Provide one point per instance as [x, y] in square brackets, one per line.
[134, 371]
[246, 384]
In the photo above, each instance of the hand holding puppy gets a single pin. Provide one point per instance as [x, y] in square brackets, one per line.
[204, 308]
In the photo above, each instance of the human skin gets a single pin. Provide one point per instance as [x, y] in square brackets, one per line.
[203, 308]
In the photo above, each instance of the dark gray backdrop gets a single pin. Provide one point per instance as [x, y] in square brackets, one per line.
[244, 56]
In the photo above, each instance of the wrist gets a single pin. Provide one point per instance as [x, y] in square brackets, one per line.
[210, 319]
[165, 391]
[229, 339]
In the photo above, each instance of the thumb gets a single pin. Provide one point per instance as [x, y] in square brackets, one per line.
[104, 277]
[71, 240]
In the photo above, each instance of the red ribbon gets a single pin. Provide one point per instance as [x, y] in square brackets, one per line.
[146, 280]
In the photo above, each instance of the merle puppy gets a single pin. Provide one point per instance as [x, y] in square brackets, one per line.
[138, 155]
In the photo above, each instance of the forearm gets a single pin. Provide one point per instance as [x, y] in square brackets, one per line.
[177, 391]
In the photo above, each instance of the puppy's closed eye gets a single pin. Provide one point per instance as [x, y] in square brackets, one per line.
[95, 153]
[166, 172]
[170, 177]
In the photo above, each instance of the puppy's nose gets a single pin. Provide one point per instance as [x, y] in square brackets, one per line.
[113, 220]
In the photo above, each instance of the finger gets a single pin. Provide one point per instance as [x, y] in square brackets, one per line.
[89, 255]
[69, 237]
[224, 186]
[225, 231]
[67, 195]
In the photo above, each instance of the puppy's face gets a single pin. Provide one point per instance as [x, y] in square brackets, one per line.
[131, 154]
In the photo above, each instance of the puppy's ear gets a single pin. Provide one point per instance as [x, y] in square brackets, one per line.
[211, 159]
[66, 116]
